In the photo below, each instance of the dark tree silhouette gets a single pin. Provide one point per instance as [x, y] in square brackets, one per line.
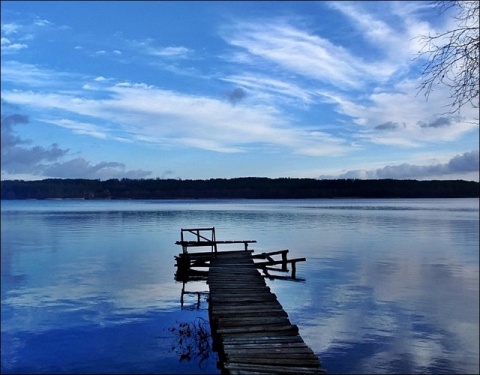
[244, 187]
[453, 55]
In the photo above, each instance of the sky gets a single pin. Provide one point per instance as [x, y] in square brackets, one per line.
[202, 90]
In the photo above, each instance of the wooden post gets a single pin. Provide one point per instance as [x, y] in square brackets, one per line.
[214, 240]
[284, 264]
[294, 269]
[184, 247]
[182, 294]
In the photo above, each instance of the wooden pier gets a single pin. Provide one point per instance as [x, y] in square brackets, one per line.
[251, 331]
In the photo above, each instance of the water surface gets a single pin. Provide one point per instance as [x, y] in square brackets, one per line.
[390, 286]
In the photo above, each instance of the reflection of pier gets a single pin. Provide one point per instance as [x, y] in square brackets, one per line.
[251, 331]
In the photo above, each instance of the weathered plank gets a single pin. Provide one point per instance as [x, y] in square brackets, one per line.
[233, 313]
[265, 340]
[258, 334]
[278, 329]
[278, 342]
[250, 320]
[243, 298]
[275, 360]
[242, 368]
[236, 308]
[270, 351]
[238, 290]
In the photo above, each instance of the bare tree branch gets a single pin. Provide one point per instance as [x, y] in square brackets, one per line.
[453, 56]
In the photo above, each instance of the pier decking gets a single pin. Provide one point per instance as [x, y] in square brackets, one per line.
[251, 331]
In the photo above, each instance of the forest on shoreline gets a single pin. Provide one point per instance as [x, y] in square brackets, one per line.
[243, 187]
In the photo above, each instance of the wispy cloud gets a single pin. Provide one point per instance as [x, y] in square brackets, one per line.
[29, 75]
[300, 52]
[270, 89]
[78, 127]
[394, 41]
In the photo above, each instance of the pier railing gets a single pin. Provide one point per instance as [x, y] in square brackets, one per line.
[205, 237]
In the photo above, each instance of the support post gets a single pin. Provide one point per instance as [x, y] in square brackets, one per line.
[284, 264]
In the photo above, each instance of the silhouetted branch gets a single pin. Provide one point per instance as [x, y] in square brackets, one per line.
[453, 56]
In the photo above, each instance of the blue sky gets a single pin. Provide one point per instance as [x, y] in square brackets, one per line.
[200, 90]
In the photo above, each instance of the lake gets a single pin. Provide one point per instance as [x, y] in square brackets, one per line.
[389, 286]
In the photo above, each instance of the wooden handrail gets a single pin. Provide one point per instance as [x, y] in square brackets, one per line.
[209, 242]
[213, 243]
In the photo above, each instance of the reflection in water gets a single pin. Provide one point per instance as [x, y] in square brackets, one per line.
[397, 315]
[199, 296]
[193, 341]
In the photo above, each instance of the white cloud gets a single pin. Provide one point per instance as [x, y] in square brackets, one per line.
[42, 22]
[10, 28]
[9, 47]
[147, 47]
[168, 51]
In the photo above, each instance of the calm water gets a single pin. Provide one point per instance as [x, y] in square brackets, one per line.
[391, 286]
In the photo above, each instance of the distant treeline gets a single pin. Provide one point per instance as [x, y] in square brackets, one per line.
[245, 187]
